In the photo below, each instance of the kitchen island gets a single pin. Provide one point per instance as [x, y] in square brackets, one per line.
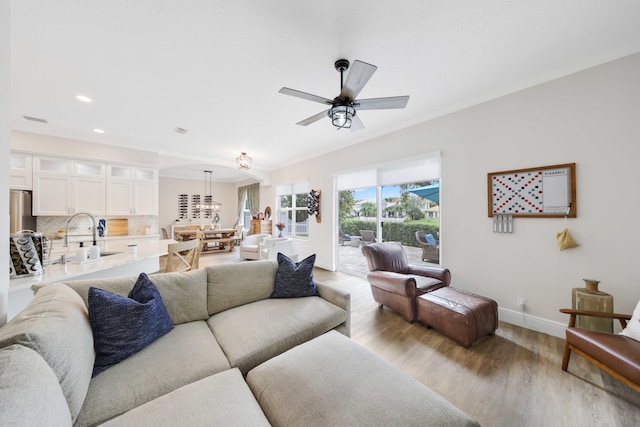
[119, 262]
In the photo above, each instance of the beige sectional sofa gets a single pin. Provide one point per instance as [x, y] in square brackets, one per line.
[225, 327]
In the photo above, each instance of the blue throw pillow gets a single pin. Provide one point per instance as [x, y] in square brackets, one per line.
[295, 280]
[431, 240]
[123, 326]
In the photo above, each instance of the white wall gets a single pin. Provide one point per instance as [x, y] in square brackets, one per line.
[5, 107]
[55, 146]
[170, 188]
[591, 118]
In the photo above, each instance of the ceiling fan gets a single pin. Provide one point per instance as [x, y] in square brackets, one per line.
[345, 105]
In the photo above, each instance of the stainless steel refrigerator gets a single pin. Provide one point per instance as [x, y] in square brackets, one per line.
[20, 217]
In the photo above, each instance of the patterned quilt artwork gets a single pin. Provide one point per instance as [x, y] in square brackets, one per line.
[524, 192]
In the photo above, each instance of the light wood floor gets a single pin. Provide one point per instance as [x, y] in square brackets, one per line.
[510, 379]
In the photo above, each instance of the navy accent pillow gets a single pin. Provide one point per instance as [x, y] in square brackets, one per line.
[122, 325]
[295, 280]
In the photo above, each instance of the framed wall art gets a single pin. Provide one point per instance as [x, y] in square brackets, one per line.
[547, 191]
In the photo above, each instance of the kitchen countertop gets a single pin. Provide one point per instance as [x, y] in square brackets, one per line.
[147, 248]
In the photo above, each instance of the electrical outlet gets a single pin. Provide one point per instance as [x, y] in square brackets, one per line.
[522, 301]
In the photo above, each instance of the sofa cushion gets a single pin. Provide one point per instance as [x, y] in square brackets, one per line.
[30, 394]
[294, 280]
[334, 381]
[223, 399]
[123, 326]
[184, 294]
[252, 333]
[186, 354]
[55, 324]
[231, 285]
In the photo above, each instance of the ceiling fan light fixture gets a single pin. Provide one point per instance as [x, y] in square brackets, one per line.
[243, 161]
[341, 116]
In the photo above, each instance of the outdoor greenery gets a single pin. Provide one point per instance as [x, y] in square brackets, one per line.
[403, 232]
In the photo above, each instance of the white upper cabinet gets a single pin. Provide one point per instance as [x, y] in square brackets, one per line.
[132, 190]
[64, 187]
[20, 171]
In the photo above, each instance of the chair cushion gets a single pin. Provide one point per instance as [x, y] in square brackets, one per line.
[30, 394]
[633, 326]
[430, 240]
[620, 353]
[295, 280]
[123, 326]
[55, 324]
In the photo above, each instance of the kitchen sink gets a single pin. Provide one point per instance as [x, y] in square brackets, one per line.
[71, 258]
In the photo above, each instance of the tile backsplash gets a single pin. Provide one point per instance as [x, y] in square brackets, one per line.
[138, 225]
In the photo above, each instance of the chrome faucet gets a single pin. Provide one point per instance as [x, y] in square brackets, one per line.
[95, 229]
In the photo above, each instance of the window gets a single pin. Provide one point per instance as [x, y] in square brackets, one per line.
[292, 209]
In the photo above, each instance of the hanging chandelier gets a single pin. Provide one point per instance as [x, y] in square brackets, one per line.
[208, 205]
[243, 161]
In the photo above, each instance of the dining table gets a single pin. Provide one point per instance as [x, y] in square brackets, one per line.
[218, 239]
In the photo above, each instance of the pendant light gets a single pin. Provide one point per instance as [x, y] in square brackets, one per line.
[208, 205]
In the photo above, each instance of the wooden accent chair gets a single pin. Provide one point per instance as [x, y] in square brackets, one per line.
[615, 354]
[183, 256]
[396, 283]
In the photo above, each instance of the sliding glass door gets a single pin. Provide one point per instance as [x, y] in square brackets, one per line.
[389, 210]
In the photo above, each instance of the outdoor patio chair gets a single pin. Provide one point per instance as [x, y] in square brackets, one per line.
[430, 249]
[343, 238]
[367, 237]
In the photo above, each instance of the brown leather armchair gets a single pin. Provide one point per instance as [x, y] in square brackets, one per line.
[615, 354]
[395, 283]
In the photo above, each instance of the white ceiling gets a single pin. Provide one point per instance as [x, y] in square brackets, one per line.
[215, 67]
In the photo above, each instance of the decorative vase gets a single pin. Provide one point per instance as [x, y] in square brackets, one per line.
[280, 233]
[590, 298]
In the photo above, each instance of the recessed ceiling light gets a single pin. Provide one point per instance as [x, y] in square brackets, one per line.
[98, 131]
[83, 98]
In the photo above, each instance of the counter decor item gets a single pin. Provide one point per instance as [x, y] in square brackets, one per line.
[590, 298]
[280, 226]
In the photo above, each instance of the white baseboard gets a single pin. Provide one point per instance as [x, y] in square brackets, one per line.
[534, 323]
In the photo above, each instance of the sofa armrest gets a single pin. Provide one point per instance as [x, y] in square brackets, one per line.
[442, 274]
[395, 283]
[340, 298]
[623, 318]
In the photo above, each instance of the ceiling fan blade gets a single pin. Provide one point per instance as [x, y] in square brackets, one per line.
[381, 103]
[356, 124]
[359, 74]
[304, 95]
[313, 118]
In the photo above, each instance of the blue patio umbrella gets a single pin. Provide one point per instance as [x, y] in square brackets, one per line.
[430, 192]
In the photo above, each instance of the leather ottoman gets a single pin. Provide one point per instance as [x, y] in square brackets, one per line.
[462, 316]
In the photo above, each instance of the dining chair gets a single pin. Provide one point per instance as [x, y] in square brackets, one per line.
[183, 256]
[165, 235]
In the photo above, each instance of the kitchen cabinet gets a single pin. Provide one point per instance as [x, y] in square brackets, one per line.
[20, 171]
[131, 190]
[64, 187]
